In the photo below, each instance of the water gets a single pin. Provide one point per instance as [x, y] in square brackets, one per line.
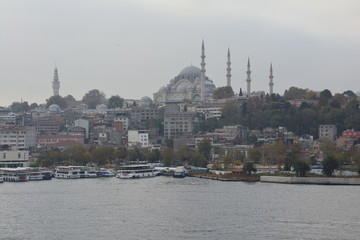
[168, 208]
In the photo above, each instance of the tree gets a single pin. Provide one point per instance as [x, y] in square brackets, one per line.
[204, 147]
[154, 155]
[184, 154]
[329, 165]
[19, 107]
[294, 93]
[325, 94]
[33, 106]
[301, 167]
[93, 97]
[121, 153]
[223, 92]
[230, 113]
[58, 100]
[103, 155]
[249, 167]
[168, 157]
[115, 102]
[70, 101]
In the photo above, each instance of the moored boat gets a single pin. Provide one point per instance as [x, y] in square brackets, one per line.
[1, 176]
[137, 171]
[67, 172]
[179, 172]
[105, 173]
[15, 174]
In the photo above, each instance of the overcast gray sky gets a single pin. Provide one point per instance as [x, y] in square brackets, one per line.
[133, 47]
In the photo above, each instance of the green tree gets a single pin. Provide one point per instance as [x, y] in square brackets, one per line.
[223, 92]
[103, 155]
[77, 156]
[33, 106]
[329, 165]
[249, 167]
[204, 147]
[154, 155]
[301, 168]
[93, 97]
[19, 107]
[294, 93]
[121, 153]
[168, 157]
[230, 113]
[115, 102]
[58, 100]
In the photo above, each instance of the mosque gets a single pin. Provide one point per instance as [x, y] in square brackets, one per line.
[192, 83]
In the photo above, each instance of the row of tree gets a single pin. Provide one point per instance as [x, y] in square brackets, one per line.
[115, 156]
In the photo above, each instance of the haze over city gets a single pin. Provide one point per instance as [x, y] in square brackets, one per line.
[132, 48]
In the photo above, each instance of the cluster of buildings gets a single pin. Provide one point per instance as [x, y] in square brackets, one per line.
[175, 112]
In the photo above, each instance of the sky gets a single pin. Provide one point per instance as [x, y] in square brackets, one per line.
[131, 48]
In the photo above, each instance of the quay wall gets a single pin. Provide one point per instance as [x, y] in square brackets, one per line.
[311, 180]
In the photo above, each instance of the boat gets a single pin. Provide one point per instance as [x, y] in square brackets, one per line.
[15, 174]
[137, 171]
[105, 173]
[179, 172]
[1, 176]
[67, 172]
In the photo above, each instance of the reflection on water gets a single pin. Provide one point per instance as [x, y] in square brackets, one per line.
[168, 208]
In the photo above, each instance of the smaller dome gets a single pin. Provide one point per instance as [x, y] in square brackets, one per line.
[145, 101]
[54, 108]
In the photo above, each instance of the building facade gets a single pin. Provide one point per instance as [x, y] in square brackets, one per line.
[138, 138]
[16, 137]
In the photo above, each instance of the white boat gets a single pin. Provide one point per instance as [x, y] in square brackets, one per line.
[137, 171]
[67, 172]
[15, 174]
[86, 172]
[1, 176]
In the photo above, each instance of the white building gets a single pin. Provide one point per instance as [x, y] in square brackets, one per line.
[18, 138]
[14, 159]
[138, 137]
[84, 124]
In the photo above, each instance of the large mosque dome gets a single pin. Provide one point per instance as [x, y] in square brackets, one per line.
[191, 70]
[186, 85]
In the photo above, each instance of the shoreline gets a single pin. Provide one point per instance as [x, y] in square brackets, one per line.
[311, 180]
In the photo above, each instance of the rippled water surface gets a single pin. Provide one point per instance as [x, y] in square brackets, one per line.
[168, 208]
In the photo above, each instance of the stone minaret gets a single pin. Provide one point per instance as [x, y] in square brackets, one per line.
[271, 83]
[56, 82]
[248, 78]
[202, 76]
[228, 70]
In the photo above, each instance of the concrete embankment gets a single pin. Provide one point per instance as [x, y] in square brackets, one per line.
[311, 180]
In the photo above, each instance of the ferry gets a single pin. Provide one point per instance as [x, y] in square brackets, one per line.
[137, 171]
[15, 174]
[67, 172]
[179, 172]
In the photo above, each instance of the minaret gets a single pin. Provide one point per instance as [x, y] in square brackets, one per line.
[202, 76]
[56, 83]
[248, 78]
[271, 83]
[228, 69]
